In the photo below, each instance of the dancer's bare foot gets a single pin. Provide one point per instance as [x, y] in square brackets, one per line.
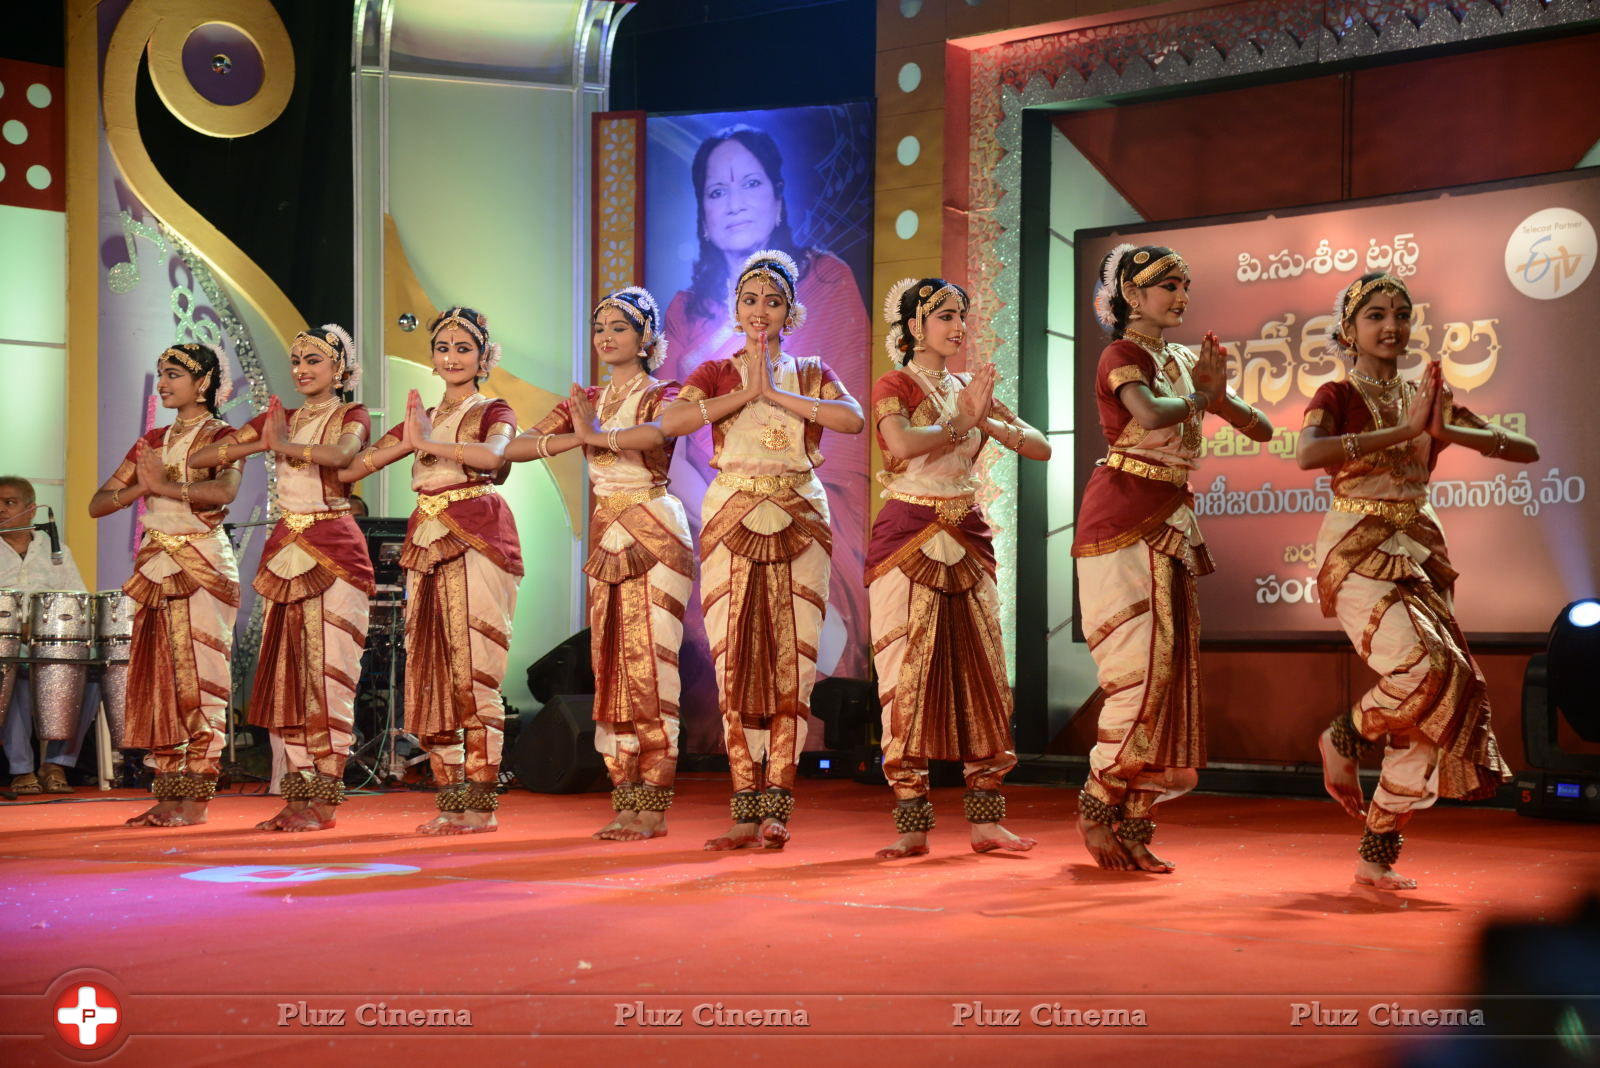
[608, 833]
[774, 834]
[1382, 877]
[280, 821]
[911, 844]
[1104, 846]
[311, 816]
[468, 822]
[171, 814]
[643, 825]
[987, 837]
[739, 836]
[1339, 777]
[1141, 856]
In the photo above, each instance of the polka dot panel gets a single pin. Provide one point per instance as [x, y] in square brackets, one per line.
[33, 135]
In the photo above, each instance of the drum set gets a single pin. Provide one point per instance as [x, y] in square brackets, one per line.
[61, 635]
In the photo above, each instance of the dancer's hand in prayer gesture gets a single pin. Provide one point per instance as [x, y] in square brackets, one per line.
[1210, 374]
[584, 423]
[275, 428]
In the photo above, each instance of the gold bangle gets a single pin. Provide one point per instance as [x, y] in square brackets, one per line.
[1249, 424]
[460, 449]
[1021, 436]
[116, 498]
[816, 406]
[183, 492]
[611, 441]
[705, 416]
[366, 459]
[1352, 446]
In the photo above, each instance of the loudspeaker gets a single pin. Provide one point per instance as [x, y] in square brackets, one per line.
[564, 669]
[555, 752]
[847, 709]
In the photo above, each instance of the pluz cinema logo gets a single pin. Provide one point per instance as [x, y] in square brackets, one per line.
[1550, 253]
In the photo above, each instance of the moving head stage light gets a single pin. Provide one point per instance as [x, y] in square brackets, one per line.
[1565, 678]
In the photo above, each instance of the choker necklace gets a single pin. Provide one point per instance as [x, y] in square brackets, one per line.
[938, 377]
[319, 407]
[180, 424]
[1143, 339]
[446, 407]
[1378, 383]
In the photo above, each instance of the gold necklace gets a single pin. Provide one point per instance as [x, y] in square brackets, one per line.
[181, 425]
[1397, 453]
[1144, 340]
[774, 437]
[443, 410]
[1384, 386]
[635, 384]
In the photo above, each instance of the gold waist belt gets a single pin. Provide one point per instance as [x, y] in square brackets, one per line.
[173, 542]
[431, 504]
[766, 485]
[1121, 461]
[299, 522]
[1400, 513]
[621, 502]
[951, 510]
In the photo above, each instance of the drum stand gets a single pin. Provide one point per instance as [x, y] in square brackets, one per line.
[379, 756]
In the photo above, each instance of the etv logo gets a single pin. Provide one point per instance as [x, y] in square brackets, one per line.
[1550, 253]
[87, 1015]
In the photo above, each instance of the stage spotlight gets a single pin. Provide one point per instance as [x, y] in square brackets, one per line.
[1584, 613]
[1562, 678]
[1574, 650]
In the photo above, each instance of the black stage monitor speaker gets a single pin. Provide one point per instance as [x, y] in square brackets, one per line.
[555, 751]
[564, 669]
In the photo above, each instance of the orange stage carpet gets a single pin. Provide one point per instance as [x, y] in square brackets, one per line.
[538, 945]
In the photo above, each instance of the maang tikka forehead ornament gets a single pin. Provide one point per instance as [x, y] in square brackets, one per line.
[179, 355]
[779, 269]
[476, 324]
[930, 298]
[335, 342]
[640, 308]
[1349, 301]
[1140, 272]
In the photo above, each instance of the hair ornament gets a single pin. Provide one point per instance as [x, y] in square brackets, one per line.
[780, 269]
[639, 307]
[1349, 301]
[1107, 288]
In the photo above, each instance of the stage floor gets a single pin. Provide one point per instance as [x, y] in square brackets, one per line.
[222, 941]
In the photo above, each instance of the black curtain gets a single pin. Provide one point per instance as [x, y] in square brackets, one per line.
[724, 55]
[282, 195]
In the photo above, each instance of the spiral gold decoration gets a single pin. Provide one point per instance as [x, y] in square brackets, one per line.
[161, 27]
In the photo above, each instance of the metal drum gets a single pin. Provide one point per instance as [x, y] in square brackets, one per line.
[13, 614]
[61, 627]
[13, 629]
[114, 628]
[61, 616]
[10, 645]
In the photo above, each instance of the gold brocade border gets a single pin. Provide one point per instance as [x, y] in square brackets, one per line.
[83, 278]
[1134, 534]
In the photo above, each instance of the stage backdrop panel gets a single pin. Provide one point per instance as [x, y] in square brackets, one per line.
[797, 179]
[1500, 277]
